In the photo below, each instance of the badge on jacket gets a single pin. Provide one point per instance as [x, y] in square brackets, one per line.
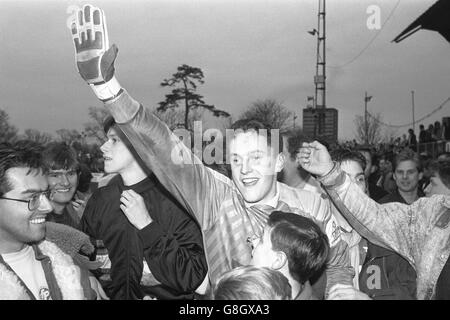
[443, 220]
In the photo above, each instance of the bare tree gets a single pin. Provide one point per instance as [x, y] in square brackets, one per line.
[8, 132]
[374, 134]
[269, 111]
[68, 136]
[94, 128]
[37, 136]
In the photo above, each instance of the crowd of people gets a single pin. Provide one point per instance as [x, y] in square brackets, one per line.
[284, 219]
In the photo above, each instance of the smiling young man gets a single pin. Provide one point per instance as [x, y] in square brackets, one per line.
[31, 267]
[228, 211]
[154, 246]
[407, 172]
[62, 165]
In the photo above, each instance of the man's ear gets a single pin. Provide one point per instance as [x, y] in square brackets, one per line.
[279, 165]
[280, 260]
[420, 175]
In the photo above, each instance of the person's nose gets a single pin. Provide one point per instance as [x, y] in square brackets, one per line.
[63, 180]
[104, 147]
[427, 190]
[246, 167]
[45, 205]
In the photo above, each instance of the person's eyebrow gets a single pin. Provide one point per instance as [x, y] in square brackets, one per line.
[112, 135]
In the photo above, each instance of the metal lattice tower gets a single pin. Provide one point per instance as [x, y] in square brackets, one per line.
[320, 77]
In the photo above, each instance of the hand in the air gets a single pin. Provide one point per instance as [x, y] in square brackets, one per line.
[346, 292]
[133, 206]
[94, 57]
[314, 158]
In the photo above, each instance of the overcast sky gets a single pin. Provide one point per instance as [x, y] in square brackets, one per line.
[248, 50]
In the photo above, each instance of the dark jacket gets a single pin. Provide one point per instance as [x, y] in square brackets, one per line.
[385, 275]
[171, 245]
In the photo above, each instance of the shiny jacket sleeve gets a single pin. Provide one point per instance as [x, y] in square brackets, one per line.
[199, 189]
[395, 226]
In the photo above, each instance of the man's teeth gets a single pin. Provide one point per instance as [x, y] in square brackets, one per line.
[37, 220]
[249, 180]
[63, 190]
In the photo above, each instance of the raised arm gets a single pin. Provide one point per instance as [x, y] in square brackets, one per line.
[389, 225]
[196, 187]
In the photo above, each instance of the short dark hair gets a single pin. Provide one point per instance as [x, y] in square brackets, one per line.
[60, 156]
[345, 154]
[255, 125]
[21, 154]
[108, 123]
[252, 283]
[301, 239]
[442, 168]
[295, 139]
[407, 155]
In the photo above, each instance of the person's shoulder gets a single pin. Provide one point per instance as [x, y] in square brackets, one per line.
[112, 184]
[390, 197]
[293, 195]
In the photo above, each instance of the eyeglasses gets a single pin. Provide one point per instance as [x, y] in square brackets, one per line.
[35, 201]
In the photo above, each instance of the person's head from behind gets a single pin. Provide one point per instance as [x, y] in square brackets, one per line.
[61, 163]
[293, 244]
[353, 164]
[439, 179]
[292, 142]
[407, 170]
[256, 158]
[252, 283]
[117, 154]
[24, 201]
[444, 156]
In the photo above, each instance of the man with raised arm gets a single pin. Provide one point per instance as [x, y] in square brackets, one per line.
[419, 232]
[228, 211]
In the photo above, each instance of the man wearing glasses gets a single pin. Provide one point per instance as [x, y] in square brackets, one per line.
[30, 267]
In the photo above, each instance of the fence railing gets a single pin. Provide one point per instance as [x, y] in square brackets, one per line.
[434, 148]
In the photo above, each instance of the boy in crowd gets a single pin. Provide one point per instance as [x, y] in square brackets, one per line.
[154, 246]
[63, 175]
[295, 246]
[252, 283]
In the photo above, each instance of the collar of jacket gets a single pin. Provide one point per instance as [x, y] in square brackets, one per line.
[140, 187]
[66, 274]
